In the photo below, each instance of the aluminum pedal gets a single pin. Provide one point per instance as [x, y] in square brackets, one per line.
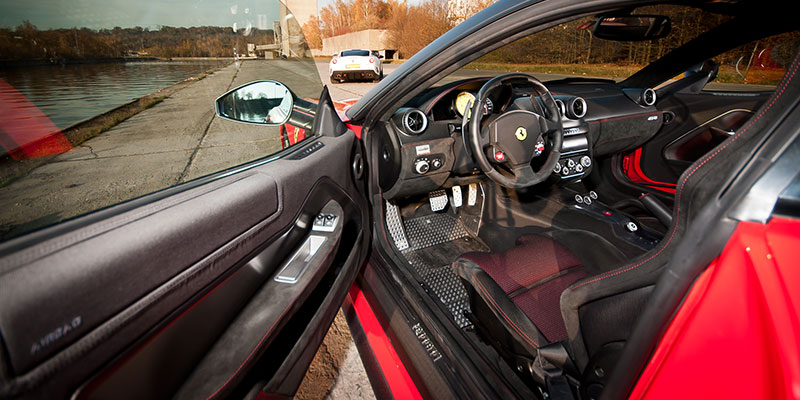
[457, 198]
[438, 199]
[472, 197]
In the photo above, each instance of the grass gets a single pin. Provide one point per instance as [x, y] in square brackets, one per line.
[727, 74]
[610, 71]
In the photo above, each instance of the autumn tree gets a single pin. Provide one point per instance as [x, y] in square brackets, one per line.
[412, 27]
[313, 33]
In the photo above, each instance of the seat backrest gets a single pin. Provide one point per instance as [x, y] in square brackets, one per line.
[601, 309]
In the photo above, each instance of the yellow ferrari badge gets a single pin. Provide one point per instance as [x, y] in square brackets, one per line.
[521, 133]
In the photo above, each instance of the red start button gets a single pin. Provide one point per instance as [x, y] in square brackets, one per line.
[499, 156]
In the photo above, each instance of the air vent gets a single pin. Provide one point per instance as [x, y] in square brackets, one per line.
[649, 97]
[562, 108]
[577, 108]
[415, 122]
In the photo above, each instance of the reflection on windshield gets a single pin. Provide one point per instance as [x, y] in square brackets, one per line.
[569, 51]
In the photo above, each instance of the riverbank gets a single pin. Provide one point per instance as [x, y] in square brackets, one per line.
[174, 140]
[88, 128]
[76, 61]
[36, 63]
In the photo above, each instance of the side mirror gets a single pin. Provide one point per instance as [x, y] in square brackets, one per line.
[632, 28]
[260, 102]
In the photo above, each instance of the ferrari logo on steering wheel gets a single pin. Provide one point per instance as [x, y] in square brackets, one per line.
[521, 133]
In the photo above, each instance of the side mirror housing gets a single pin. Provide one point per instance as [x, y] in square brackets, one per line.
[260, 102]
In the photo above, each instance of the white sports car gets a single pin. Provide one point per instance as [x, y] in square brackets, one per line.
[356, 64]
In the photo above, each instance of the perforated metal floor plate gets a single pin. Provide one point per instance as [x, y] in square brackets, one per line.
[435, 241]
[446, 284]
[395, 226]
[433, 229]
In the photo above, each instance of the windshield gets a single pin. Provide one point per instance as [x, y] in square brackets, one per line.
[105, 101]
[570, 51]
[355, 53]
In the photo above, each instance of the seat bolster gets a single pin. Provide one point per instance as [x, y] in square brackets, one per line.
[596, 287]
[509, 314]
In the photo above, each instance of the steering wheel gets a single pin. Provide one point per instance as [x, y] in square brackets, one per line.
[516, 137]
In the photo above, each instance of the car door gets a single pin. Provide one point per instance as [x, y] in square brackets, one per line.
[222, 286]
[150, 248]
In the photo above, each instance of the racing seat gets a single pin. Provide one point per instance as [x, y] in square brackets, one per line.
[541, 293]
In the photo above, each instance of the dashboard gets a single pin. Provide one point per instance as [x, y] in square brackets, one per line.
[423, 145]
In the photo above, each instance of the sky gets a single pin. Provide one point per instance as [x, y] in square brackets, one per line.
[106, 14]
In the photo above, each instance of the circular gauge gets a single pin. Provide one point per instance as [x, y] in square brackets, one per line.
[463, 100]
[488, 106]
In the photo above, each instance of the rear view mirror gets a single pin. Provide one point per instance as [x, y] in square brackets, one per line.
[261, 102]
[632, 28]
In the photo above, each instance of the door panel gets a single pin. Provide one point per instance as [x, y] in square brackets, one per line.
[136, 302]
[694, 124]
[687, 149]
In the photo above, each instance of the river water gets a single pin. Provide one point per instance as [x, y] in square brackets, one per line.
[71, 93]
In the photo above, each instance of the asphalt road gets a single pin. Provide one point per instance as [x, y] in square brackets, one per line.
[349, 90]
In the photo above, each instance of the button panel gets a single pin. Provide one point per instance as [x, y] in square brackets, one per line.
[325, 223]
[428, 163]
[572, 166]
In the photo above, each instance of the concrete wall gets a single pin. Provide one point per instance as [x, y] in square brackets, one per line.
[371, 39]
[303, 10]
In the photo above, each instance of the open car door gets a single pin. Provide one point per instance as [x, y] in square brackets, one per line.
[221, 287]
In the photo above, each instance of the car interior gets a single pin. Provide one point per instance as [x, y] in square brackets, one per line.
[539, 215]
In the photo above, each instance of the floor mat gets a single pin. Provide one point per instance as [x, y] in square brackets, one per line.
[435, 241]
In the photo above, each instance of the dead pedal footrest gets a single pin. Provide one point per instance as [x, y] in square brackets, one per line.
[394, 223]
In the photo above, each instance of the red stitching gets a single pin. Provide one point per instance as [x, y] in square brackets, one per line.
[750, 123]
[506, 317]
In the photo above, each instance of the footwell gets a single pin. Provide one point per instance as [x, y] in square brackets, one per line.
[434, 242]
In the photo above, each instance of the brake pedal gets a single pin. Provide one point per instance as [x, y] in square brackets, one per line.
[438, 199]
[457, 199]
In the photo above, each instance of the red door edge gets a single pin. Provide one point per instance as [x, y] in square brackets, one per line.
[394, 371]
[632, 168]
[737, 333]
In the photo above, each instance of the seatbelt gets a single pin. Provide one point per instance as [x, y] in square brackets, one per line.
[554, 367]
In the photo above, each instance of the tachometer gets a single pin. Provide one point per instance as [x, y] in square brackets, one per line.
[463, 100]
